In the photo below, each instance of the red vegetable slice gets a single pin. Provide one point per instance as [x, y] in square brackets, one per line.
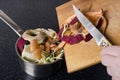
[87, 37]
[20, 44]
[72, 39]
[73, 21]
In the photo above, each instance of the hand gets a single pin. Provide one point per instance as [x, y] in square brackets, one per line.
[111, 59]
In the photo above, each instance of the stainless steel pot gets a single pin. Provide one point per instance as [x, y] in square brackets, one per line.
[37, 70]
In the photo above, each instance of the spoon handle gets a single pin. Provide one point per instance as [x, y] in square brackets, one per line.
[11, 23]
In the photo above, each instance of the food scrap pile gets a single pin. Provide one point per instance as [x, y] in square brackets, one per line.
[73, 32]
[40, 46]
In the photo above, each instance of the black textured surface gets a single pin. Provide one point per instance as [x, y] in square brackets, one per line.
[32, 14]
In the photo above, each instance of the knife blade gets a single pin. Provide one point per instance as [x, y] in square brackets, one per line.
[96, 34]
[11, 23]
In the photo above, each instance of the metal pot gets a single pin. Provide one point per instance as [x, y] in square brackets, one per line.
[37, 70]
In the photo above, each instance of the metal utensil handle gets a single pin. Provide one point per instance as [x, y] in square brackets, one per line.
[105, 43]
[11, 23]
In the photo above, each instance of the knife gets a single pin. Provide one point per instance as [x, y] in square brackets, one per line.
[11, 23]
[96, 34]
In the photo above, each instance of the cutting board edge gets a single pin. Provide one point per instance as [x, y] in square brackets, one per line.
[81, 68]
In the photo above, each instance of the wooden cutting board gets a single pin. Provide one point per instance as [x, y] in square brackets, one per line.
[86, 54]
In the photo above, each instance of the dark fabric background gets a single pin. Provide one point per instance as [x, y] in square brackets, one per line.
[32, 14]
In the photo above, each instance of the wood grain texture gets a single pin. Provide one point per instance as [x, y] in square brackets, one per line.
[83, 55]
